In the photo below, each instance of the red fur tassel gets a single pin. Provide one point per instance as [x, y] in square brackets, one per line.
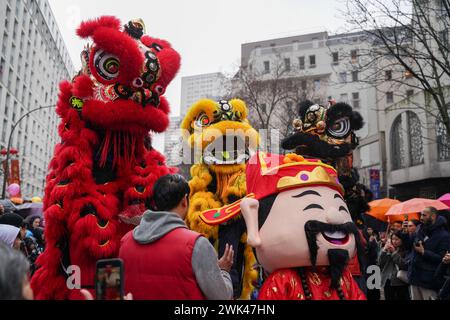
[87, 28]
[82, 87]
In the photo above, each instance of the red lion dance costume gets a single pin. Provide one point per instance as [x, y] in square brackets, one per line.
[104, 168]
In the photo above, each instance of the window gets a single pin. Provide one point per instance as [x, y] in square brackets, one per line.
[406, 132]
[7, 104]
[354, 56]
[415, 139]
[12, 54]
[287, 64]
[301, 63]
[355, 100]
[4, 43]
[8, 16]
[312, 61]
[343, 77]
[409, 93]
[443, 140]
[354, 76]
[335, 57]
[5, 127]
[266, 66]
[16, 26]
[14, 114]
[388, 74]
[343, 97]
[10, 78]
[389, 97]
[398, 159]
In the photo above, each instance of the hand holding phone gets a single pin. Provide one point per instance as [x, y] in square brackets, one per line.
[109, 283]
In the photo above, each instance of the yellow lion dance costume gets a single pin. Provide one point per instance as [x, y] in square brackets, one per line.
[223, 140]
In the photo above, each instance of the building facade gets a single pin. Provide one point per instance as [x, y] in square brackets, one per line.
[322, 67]
[172, 141]
[209, 85]
[33, 61]
[403, 151]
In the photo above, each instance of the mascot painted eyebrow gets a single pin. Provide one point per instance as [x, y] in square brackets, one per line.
[223, 141]
[103, 170]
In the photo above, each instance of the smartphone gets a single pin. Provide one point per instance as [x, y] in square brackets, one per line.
[109, 283]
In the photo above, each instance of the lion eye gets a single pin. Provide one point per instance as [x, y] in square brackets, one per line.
[106, 64]
[340, 128]
[202, 120]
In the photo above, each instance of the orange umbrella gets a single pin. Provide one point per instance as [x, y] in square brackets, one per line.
[379, 207]
[414, 205]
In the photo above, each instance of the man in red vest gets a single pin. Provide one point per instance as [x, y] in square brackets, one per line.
[163, 260]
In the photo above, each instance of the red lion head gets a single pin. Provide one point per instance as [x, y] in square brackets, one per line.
[124, 77]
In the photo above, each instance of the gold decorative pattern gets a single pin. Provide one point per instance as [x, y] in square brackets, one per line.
[293, 283]
[286, 163]
[304, 178]
[315, 279]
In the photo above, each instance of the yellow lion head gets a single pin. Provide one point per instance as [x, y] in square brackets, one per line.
[220, 133]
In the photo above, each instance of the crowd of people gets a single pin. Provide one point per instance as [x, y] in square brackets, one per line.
[24, 235]
[188, 264]
[413, 256]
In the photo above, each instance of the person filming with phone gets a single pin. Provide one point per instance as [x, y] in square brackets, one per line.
[430, 246]
[164, 260]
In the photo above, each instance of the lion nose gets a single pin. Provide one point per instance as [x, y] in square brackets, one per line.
[334, 216]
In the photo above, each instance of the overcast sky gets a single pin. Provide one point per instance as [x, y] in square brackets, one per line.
[207, 33]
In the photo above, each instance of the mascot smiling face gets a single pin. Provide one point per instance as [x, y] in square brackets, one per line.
[298, 221]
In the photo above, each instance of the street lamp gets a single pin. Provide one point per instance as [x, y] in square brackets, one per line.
[6, 173]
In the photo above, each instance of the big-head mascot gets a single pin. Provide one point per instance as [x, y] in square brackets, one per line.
[222, 140]
[103, 170]
[300, 227]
